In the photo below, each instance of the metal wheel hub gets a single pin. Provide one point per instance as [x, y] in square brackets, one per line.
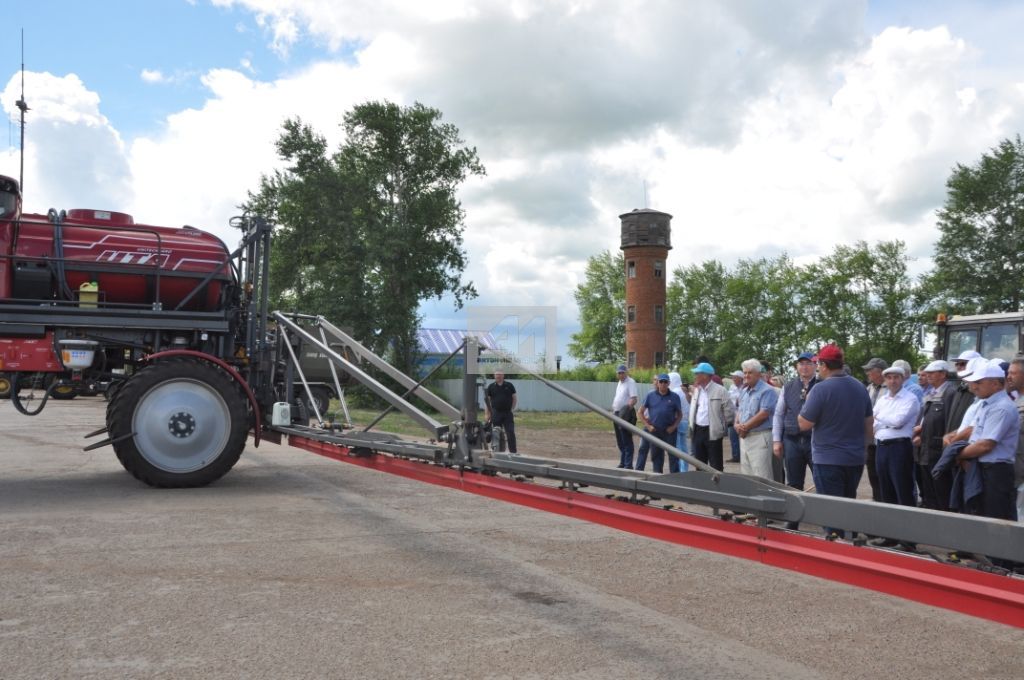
[181, 425]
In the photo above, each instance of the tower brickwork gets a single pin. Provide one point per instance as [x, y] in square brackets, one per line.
[646, 240]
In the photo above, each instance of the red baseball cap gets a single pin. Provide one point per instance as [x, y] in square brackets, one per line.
[830, 352]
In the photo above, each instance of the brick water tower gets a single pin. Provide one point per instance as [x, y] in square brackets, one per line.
[646, 240]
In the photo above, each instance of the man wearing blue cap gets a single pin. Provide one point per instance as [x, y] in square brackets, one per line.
[711, 411]
[623, 405]
[661, 413]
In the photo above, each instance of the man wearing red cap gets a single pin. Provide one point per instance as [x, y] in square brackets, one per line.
[838, 414]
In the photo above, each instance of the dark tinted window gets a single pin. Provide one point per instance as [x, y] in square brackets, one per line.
[8, 202]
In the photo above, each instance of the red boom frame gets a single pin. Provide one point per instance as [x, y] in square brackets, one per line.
[988, 596]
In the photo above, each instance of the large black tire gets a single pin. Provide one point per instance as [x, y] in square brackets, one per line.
[321, 397]
[190, 422]
[64, 392]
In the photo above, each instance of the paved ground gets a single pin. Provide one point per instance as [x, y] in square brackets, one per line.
[297, 566]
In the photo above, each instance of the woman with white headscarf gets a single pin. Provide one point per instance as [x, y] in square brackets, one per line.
[675, 383]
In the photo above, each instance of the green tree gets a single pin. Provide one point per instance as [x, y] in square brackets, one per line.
[859, 296]
[979, 257]
[762, 320]
[862, 298]
[695, 322]
[364, 235]
[601, 299]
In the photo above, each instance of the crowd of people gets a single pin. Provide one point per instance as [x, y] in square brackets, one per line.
[949, 438]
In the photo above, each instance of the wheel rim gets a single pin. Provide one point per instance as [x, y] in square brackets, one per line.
[63, 390]
[5, 385]
[181, 425]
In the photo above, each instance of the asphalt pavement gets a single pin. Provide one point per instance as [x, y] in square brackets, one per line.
[295, 566]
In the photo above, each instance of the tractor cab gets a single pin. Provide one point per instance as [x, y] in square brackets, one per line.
[999, 335]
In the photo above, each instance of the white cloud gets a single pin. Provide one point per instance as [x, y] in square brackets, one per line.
[152, 76]
[761, 127]
[73, 154]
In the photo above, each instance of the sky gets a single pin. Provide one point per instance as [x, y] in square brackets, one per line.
[787, 126]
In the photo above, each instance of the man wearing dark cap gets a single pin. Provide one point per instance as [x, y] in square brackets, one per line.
[661, 413]
[838, 414]
[876, 388]
[623, 405]
[788, 442]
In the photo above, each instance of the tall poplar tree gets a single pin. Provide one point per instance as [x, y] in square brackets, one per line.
[979, 257]
[367, 233]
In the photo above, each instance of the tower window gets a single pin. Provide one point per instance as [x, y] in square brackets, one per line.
[659, 268]
[631, 360]
[631, 269]
[659, 315]
[631, 314]
[659, 358]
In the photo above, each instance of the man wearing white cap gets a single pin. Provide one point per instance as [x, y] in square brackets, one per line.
[908, 384]
[961, 396]
[993, 442]
[931, 427]
[961, 431]
[895, 413]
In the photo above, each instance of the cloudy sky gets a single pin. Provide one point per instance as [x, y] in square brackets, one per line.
[762, 126]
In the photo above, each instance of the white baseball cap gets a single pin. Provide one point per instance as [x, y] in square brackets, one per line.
[988, 369]
[972, 365]
[968, 355]
[939, 365]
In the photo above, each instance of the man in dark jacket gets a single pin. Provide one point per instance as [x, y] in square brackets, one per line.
[501, 401]
[788, 442]
[928, 434]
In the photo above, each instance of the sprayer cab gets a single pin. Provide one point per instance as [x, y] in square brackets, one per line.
[10, 210]
[10, 199]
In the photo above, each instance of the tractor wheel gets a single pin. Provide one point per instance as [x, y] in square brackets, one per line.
[64, 392]
[5, 386]
[187, 423]
[321, 397]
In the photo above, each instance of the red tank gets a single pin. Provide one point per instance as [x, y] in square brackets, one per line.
[128, 262]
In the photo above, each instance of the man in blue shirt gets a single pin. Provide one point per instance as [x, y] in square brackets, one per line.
[753, 421]
[993, 443]
[838, 414]
[661, 413]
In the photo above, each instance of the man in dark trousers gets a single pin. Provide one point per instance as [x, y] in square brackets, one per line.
[661, 413]
[789, 443]
[931, 428]
[499, 402]
[838, 413]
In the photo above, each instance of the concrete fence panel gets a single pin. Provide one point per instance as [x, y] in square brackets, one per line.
[536, 396]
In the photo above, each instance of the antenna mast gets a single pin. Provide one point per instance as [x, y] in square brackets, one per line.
[23, 107]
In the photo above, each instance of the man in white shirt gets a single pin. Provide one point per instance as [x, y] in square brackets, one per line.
[711, 411]
[895, 414]
[624, 406]
[734, 393]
